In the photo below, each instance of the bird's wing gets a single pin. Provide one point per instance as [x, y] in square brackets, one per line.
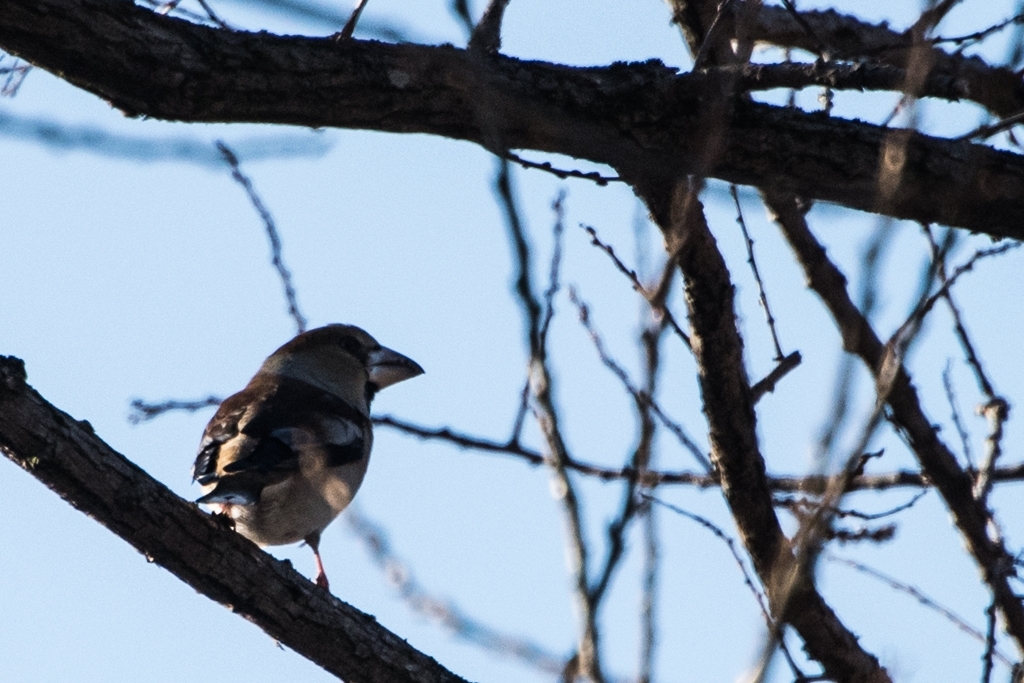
[256, 437]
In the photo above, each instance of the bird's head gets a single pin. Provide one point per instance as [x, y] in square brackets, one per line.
[341, 359]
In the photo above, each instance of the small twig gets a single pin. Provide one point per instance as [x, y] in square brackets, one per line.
[486, 36]
[926, 305]
[540, 383]
[996, 411]
[272, 234]
[641, 397]
[748, 579]
[990, 129]
[546, 166]
[928, 602]
[554, 284]
[767, 384]
[762, 296]
[651, 295]
[521, 410]
[880, 515]
[15, 77]
[649, 600]
[978, 36]
[650, 342]
[439, 610]
[965, 442]
[213, 15]
[653, 478]
[350, 25]
[460, 8]
[144, 411]
[730, 543]
[820, 48]
[712, 37]
[801, 507]
[990, 643]
[939, 267]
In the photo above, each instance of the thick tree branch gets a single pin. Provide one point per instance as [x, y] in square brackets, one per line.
[732, 432]
[638, 118]
[998, 89]
[971, 515]
[65, 455]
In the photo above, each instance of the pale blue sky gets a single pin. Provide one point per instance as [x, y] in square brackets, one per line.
[121, 278]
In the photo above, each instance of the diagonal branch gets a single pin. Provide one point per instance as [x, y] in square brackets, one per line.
[970, 515]
[66, 456]
[732, 432]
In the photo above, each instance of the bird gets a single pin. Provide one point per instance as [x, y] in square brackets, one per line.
[284, 456]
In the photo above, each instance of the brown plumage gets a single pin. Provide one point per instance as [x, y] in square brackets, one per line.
[284, 456]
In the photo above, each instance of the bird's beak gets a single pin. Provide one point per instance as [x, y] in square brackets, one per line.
[387, 367]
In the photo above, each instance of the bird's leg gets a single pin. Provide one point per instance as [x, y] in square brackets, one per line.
[313, 541]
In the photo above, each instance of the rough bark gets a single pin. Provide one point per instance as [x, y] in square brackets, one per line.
[641, 119]
[732, 434]
[65, 455]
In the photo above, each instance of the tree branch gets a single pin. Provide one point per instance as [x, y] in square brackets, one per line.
[637, 118]
[970, 515]
[732, 432]
[66, 456]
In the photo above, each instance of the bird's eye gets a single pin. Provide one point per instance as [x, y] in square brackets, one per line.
[353, 346]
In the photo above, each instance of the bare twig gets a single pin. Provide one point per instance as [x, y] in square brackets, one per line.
[762, 296]
[649, 600]
[801, 507]
[558, 232]
[460, 9]
[996, 411]
[213, 15]
[547, 417]
[546, 166]
[961, 430]
[554, 284]
[971, 516]
[440, 610]
[887, 513]
[927, 304]
[144, 411]
[640, 397]
[650, 340]
[767, 384]
[939, 266]
[350, 25]
[521, 410]
[925, 600]
[15, 77]
[654, 478]
[748, 580]
[653, 296]
[990, 643]
[981, 35]
[486, 36]
[272, 234]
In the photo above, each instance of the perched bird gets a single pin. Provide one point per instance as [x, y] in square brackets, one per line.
[284, 456]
